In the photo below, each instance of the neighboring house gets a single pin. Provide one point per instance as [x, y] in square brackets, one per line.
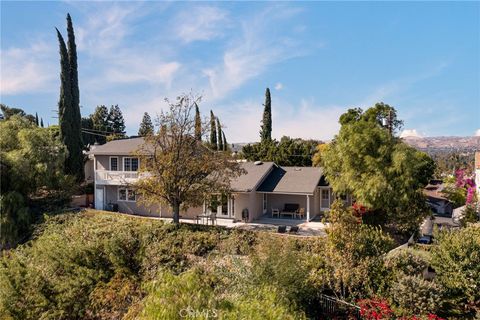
[435, 199]
[265, 187]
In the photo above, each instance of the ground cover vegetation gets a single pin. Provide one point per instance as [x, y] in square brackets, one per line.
[97, 265]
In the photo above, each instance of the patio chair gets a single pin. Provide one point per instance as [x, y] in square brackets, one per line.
[300, 213]
[282, 229]
[275, 212]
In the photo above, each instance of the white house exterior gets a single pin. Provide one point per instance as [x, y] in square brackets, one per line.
[263, 190]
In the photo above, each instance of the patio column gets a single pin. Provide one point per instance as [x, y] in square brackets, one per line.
[308, 207]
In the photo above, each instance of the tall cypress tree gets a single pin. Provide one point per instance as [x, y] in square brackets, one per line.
[266, 132]
[146, 126]
[198, 124]
[69, 104]
[219, 135]
[36, 119]
[41, 122]
[213, 131]
[225, 145]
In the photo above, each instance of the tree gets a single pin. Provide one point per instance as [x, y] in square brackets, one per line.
[32, 161]
[41, 122]
[225, 145]
[69, 107]
[351, 264]
[146, 126]
[9, 111]
[182, 171]
[266, 132]
[456, 261]
[116, 123]
[213, 131]
[88, 134]
[378, 169]
[198, 124]
[36, 119]
[286, 152]
[100, 124]
[219, 135]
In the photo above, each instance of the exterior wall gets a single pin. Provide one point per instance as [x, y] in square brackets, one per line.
[241, 202]
[89, 171]
[103, 162]
[256, 206]
[111, 196]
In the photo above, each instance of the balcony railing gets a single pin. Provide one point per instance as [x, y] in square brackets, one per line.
[117, 177]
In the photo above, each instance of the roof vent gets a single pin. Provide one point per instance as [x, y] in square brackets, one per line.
[257, 163]
[297, 169]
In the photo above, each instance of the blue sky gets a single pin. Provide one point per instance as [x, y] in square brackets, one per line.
[318, 58]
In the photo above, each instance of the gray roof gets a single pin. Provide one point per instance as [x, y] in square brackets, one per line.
[301, 180]
[254, 176]
[118, 147]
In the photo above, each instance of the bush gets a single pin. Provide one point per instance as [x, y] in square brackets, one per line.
[408, 261]
[456, 261]
[412, 295]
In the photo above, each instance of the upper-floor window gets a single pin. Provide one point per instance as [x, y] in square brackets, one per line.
[114, 163]
[130, 164]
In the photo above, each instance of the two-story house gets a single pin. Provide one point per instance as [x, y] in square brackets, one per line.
[266, 189]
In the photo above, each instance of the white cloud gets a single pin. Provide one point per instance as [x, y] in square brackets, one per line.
[410, 133]
[26, 70]
[253, 52]
[200, 23]
[278, 86]
[477, 133]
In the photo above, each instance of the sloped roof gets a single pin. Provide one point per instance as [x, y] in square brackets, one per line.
[255, 173]
[118, 147]
[301, 180]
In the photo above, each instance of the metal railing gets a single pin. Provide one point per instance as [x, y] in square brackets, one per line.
[117, 177]
[335, 308]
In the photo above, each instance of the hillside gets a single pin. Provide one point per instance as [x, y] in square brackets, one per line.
[435, 144]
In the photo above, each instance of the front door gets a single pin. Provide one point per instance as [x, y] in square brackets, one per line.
[99, 199]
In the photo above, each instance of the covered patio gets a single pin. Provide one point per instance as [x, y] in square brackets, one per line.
[291, 193]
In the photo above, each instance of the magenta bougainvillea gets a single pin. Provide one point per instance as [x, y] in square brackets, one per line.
[461, 181]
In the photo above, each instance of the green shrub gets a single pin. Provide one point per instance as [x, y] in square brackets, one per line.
[413, 295]
[456, 260]
[408, 261]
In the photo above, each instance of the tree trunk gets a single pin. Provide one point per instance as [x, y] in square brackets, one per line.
[176, 212]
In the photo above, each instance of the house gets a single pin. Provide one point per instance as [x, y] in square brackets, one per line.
[439, 204]
[265, 189]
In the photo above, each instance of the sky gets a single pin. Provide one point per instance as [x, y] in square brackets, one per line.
[317, 58]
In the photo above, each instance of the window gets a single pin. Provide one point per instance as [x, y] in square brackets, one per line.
[325, 195]
[114, 163]
[125, 194]
[130, 164]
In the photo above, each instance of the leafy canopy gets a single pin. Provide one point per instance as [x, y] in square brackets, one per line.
[377, 168]
[181, 170]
